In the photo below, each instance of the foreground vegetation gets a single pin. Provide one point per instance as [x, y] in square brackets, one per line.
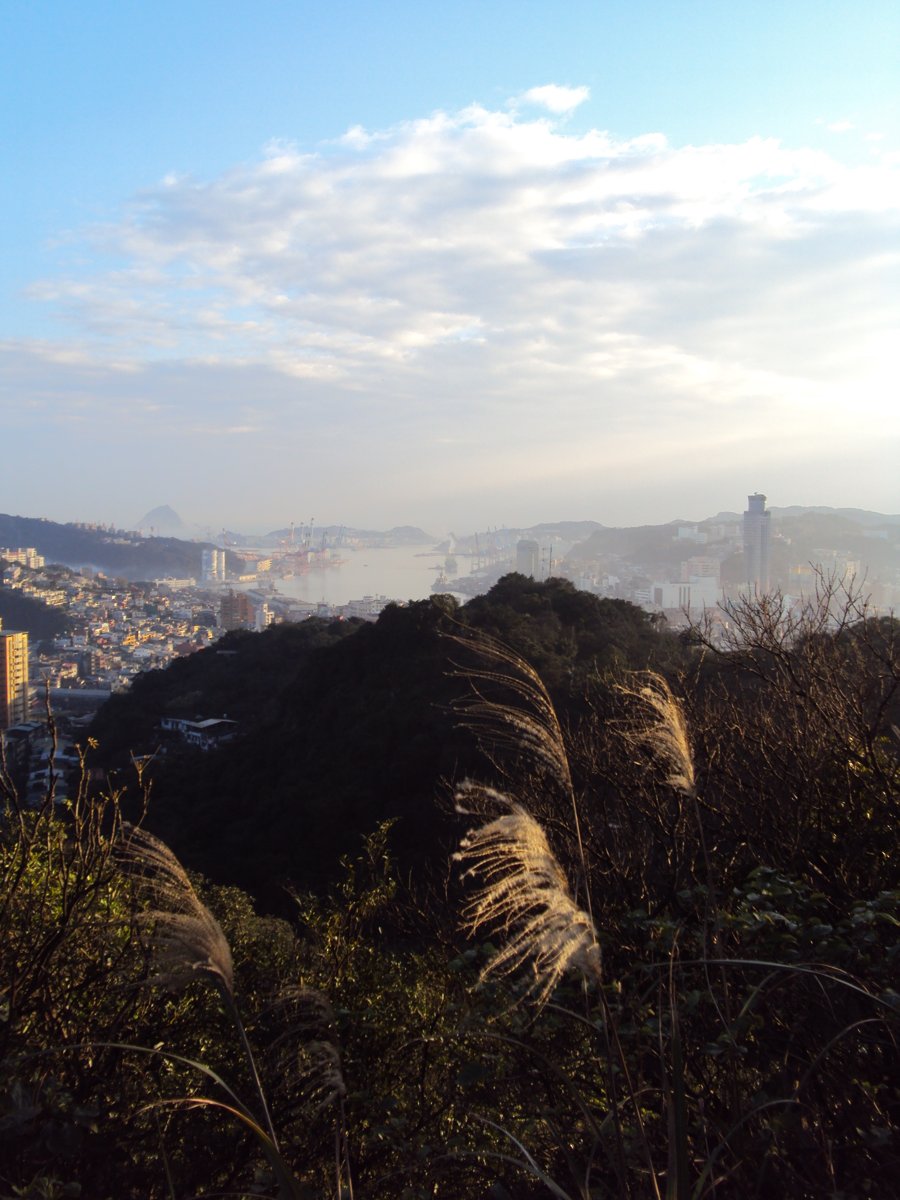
[663, 962]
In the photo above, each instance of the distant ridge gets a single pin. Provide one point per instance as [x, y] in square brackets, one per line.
[859, 516]
[571, 530]
[400, 535]
[114, 551]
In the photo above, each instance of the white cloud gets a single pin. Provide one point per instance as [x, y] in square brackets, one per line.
[506, 298]
[554, 98]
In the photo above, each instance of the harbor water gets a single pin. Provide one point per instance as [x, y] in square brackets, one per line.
[397, 572]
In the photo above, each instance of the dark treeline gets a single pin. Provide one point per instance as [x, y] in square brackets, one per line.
[694, 869]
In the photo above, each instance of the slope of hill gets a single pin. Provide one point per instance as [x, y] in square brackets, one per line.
[119, 553]
[25, 614]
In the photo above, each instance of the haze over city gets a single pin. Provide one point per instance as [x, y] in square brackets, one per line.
[454, 266]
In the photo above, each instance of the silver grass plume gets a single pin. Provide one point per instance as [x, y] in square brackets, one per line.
[524, 893]
[187, 939]
[307, 1010]
[526, 724]
[320, 1071]
[663, 730]
[314, 1065]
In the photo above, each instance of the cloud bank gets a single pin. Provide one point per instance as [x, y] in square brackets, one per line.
[483, 305]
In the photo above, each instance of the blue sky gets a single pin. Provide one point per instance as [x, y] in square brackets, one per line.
[456, 265]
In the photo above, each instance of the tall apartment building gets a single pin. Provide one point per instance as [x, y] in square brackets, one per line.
[26, 555]
[236, 611]
[757, 528]
[213, 565]
[13, 678]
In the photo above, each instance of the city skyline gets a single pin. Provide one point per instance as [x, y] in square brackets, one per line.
[614, 265]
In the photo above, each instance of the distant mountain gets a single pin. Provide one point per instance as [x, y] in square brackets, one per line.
[859, 516]
[410, 535]
[570, 531]
[163, 522]
[635, 543]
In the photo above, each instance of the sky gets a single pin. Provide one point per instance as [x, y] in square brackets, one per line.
[453, 265]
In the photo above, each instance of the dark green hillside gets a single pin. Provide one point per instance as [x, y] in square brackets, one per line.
[341, 727]
[243, 677]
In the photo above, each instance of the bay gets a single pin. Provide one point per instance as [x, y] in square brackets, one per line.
[397, 572]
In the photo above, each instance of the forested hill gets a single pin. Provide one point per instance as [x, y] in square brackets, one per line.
[343, 725]
[119, 553]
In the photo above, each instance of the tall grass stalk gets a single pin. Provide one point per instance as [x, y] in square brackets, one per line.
[524, 891]
[188, 941]
[188, 944]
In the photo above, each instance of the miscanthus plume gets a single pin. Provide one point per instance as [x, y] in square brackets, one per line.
[187, 939]
[525, 894]
[661, 729]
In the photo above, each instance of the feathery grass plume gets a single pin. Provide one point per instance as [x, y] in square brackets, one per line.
[305, 1053]
[529, 724]
[321, 1074]
[663, 731]
[525, 893]
[188, 941]
[308, 1010]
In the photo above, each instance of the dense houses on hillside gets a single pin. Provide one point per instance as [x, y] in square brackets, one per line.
[117, 628]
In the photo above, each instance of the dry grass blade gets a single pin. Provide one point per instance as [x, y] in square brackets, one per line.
[188, 940]
[662, 730]
[525, 893]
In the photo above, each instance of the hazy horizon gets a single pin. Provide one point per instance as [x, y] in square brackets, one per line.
[196, 529]
[453, 268]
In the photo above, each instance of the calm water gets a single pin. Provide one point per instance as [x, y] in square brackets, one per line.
[402, 573]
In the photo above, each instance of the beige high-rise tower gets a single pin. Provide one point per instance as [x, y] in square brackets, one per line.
[757, 529]
[13, 678]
